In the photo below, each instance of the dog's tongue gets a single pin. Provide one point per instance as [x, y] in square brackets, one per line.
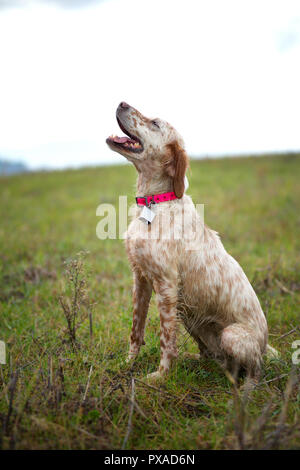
[120, 140]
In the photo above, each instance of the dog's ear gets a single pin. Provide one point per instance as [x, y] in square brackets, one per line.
[176, 163]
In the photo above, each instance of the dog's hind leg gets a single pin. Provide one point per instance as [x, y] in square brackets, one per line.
[242, 348]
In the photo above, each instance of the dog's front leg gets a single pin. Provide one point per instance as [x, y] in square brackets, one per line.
[166, 295]
[142, 290]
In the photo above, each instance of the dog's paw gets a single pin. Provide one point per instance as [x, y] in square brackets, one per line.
[250, 384]
[154, 377]
[193, 356]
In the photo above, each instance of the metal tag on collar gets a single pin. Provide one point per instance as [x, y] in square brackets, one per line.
[151, 203]
[147, 214]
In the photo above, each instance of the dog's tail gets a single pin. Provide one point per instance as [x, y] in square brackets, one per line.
[271, 353]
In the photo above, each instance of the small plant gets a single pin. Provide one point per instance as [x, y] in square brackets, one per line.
[75, 302]
[265, 431]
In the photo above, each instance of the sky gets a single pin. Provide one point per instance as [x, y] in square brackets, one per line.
[226, 74]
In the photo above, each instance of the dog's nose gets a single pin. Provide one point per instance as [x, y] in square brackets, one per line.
[124, 105]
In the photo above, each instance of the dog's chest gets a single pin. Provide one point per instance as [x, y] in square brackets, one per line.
[151, 255]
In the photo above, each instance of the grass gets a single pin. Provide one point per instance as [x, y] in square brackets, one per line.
[61, 392]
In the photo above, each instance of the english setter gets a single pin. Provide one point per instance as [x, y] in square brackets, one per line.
[194, 278]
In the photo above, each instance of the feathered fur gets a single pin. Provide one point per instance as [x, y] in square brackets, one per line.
[194, 278]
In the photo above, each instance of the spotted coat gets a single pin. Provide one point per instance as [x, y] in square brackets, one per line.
[194, 278]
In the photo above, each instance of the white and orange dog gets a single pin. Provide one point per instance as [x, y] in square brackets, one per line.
[194, 278]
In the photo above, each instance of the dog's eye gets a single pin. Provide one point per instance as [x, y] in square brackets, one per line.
[155, 123]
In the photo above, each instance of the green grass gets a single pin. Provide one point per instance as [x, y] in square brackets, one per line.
[46, 219]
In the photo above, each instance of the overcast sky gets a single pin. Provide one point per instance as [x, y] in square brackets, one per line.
[226, 74]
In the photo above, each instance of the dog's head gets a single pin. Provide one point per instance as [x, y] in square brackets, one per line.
[150, 143]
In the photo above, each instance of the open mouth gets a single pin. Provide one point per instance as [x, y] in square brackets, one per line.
[130, 143]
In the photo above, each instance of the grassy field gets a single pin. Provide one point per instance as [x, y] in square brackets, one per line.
[61, 393]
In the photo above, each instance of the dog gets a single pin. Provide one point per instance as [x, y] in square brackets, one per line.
[194, 278]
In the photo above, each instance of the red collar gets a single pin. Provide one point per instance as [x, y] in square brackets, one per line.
[155, 199]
